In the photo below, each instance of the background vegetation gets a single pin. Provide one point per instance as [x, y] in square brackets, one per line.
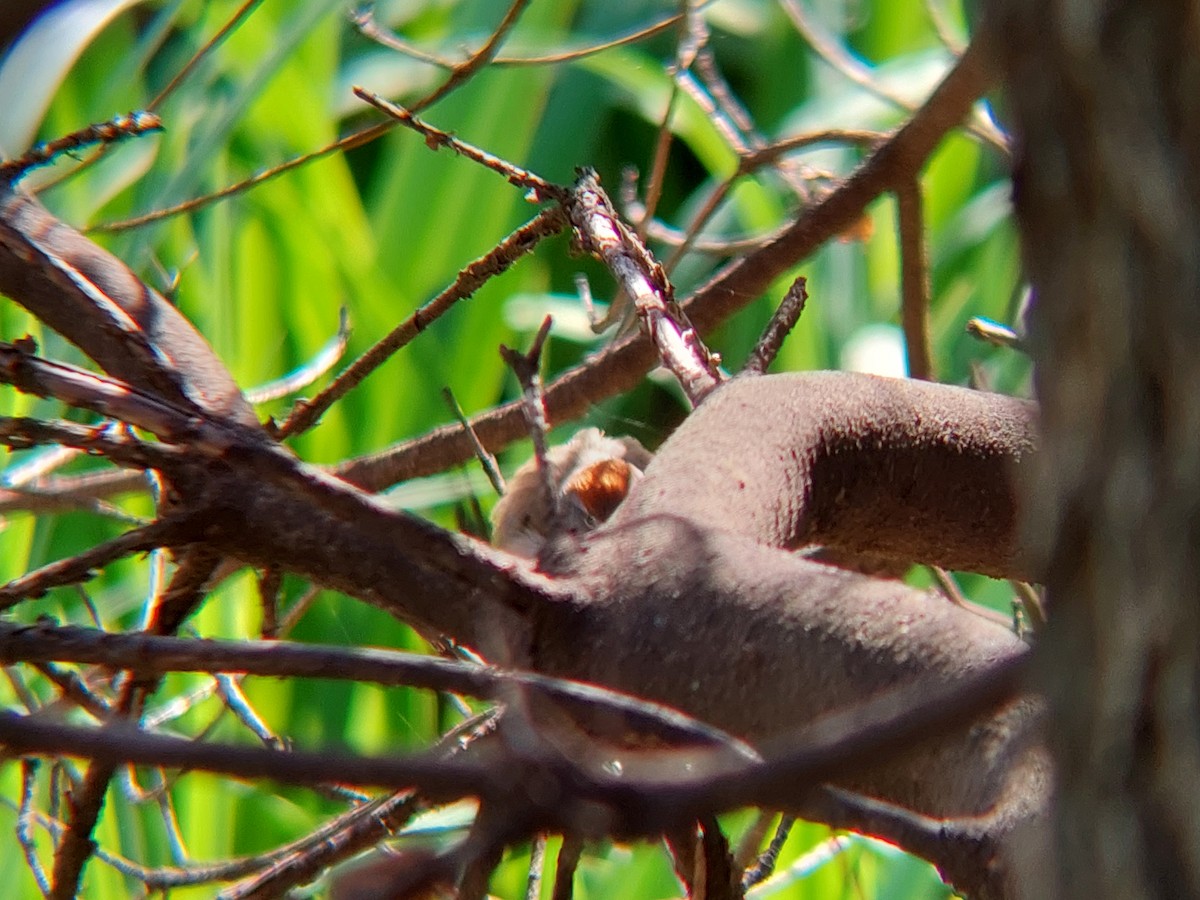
[381, 229]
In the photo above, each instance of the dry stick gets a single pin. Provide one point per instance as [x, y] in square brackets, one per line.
[93, 300]
[345, 836]
[119, 447]
[364, 21]
[750, 843]
[620, 366]
[77, 846]
[950, 589]
[769, 154]
[83, 566]
[165, 876]
[693, 35]
[751, 162]
[783, 320]
[486, 460]
[166, 807]
[717, 873]
[269, 584]
[436, 138]
[461, 73]
[68, 492]
[21, 689]
[765, 864]
[109, 397]
[363, 135]
[914, 280]
[642, 279]
[239, 16]
[527, 368]
[349, 142]
[467, 865]
[76, 690]
[1031, 603]
[148, 654]
[124, 126]
[25, 817]
[306, 373]
[941, 25]
[239, 704]
[470, 279]
[564, 870]
[704, 781]
[537, 865]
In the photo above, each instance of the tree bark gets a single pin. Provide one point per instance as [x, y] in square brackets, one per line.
[1106, 100]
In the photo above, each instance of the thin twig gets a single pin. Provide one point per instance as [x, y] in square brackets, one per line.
[941, 25]
[952, 592]
[349, 142]
[364, 21]
[914, 280]
[828, 48]
[1031, 603]
[537, 864]
[994, 333]
[435, 138]
[463, 72]
[470, 279]
[305, 374]
[76, 845]
[239, 704]
[83, 565]
[269, 583]
[76, 690]
[486, 460]
[239, 16]
[765, 864]
[833, 748]
[124, 126]
[86, 491]
[783, 320]
[350, 833]
[148, 655]
[25, 818]
[527, 368]
[569, 855]
[693, 35]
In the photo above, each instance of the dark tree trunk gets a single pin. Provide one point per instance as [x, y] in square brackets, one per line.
[1106, 99]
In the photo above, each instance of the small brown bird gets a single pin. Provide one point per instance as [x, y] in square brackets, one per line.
[592, 473]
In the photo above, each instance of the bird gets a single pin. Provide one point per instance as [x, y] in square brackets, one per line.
[591, 474]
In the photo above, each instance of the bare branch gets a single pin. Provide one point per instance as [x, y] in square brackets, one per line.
[619, 366]
[91, 298]
[783, 320]
[469, 280]
[147, 654]
[914, 280]
[82, 566]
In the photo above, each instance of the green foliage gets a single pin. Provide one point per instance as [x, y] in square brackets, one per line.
[383, 229]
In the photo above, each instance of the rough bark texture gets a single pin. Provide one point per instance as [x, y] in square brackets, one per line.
[1106, 97]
